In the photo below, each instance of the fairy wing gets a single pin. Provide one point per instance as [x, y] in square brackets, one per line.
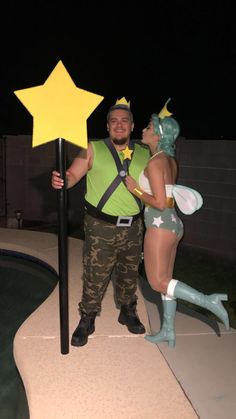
[187, 199]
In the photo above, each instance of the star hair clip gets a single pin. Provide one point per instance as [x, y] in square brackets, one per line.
[164, 111]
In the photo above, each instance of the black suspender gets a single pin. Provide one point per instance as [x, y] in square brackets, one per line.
[122, 171]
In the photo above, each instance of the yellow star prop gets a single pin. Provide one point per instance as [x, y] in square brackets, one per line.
[59, 108]
[123, 101]
[164, 112]
[127, 153]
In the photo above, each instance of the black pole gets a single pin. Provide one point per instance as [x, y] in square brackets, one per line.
[62, 247]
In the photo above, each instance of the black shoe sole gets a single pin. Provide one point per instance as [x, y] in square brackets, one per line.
[77, 344]
[135, 331]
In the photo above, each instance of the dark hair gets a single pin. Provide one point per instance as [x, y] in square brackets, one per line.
[120, 106]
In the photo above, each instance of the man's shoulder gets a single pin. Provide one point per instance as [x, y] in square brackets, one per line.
[96, 142]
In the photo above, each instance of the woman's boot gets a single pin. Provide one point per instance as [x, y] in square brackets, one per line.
[211, 302]
[167, 332]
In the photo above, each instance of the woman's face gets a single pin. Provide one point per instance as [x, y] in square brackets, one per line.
[149, 137]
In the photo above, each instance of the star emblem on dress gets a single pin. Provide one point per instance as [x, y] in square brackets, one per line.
[173, 218]
[157, 221]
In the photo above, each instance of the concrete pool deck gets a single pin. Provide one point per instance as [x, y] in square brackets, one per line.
[117, 374]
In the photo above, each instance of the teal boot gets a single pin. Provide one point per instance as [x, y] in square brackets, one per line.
[167, 332]
[211, 302]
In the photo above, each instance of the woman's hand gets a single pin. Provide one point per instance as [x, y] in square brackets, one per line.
[131, 183]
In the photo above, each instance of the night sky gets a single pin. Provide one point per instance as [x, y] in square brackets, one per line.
[146, 53]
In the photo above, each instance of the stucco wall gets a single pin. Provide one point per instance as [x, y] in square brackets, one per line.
[210, 167]
[206, 165]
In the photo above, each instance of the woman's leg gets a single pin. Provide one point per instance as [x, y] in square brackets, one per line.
[159, 256]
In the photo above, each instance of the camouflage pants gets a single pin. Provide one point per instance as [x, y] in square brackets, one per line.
[109, 250]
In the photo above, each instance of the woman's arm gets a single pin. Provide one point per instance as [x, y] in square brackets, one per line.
[155, 174]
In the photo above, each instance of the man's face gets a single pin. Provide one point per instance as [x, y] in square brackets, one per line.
[120, 126]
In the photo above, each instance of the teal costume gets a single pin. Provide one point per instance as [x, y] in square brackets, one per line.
[188, 201]
[166, 219]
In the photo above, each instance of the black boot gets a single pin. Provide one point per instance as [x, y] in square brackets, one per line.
[129, 317]
[85, 327]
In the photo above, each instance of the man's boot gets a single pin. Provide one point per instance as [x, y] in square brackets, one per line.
[85, 328]
[129, 317]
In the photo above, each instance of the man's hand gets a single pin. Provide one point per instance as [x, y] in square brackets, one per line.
[56, 181]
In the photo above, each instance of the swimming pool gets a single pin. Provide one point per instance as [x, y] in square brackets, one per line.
[25, 282]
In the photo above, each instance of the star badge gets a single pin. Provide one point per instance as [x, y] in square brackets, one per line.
[127, 153]
[59, 108]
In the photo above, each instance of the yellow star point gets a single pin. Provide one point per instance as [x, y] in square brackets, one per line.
[127, 153]
[59, 108]
[164, 112]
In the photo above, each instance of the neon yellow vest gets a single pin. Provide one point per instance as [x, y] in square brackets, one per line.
[103, 172]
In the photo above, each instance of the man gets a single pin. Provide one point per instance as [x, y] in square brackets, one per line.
[113, 223]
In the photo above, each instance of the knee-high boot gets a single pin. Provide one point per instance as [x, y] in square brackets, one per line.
[211, 302]
[167, 332]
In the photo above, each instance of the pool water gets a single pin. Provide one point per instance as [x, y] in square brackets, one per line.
[25, 282]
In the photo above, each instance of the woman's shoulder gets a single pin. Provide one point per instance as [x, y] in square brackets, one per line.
[158, 159]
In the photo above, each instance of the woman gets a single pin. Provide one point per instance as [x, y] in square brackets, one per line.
[164, 229]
